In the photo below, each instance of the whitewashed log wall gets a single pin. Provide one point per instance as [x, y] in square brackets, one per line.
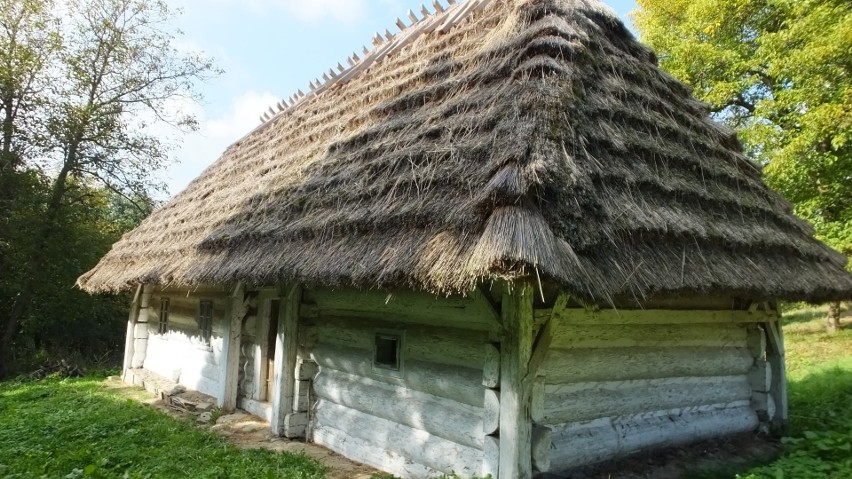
[181, 354]
[427, 420]
[613, 389]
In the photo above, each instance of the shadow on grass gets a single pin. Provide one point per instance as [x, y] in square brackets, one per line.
[76, 428]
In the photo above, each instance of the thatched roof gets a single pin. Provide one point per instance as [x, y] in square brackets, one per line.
[530, 137]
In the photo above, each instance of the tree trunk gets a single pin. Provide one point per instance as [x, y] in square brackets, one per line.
[833, 324]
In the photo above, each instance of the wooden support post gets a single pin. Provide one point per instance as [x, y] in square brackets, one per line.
[775, 357]
[130, 339]
[515, 352]
[286, 345]
[233, 338]
[140, 330]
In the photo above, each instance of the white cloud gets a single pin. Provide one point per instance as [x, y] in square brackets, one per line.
[198, 150]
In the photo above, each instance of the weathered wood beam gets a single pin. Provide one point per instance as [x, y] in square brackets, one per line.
[130, 338]
[436, 415]
[775, 355]
[140, 329]
[384, 437]
[515, 351]
[658, 316]
[452, 382]
[544, 338]
[542, 443]
[286, 345]
[491, 367]
[231, 348]
[577, 402]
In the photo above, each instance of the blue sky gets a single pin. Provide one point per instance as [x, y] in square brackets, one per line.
[268, 49]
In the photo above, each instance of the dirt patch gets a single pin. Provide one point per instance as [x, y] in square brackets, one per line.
[703, 459]
[242, 429]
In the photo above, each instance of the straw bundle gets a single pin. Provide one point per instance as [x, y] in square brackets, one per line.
[533, 136]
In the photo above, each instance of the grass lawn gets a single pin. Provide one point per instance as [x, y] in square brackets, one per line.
[819, 373]
[78, 429]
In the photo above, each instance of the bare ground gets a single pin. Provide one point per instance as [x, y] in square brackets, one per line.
[713, 458]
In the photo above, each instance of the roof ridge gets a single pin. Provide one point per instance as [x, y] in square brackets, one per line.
[384, 44]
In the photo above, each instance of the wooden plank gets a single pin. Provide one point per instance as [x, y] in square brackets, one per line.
[130, 337]
[140, 331]
[545, 338]
[586, 401]
[515, 352]
[286, 344]
[756, 341]
[582, 443]
[657, 316]
[306, 369]
[444, 345]
[452, 382]
[296, 424]
[465, 312]
[233, 337]
[415, 445]
[775, 355]
[621, 364]
[491, 367]
[542, 442]
[491, 458]
[491, 412]
[568, 336]
[451, 420]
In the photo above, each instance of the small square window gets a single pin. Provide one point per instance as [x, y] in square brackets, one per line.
[387, 351]
[163, 326]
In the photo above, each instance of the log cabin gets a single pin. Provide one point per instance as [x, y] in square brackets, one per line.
[499, 241]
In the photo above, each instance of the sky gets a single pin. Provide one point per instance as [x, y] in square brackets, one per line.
[268, 49]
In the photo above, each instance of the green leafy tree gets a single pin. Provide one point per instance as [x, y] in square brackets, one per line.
[780, 72]
[113, 70]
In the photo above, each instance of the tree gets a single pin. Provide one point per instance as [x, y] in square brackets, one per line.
[115, 70]
[780, 72]
[27, 41]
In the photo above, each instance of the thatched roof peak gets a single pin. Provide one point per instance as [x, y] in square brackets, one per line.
[530, 137]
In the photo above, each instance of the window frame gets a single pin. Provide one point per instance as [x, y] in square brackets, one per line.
[205, 321]
[384, 367]
[163, 320]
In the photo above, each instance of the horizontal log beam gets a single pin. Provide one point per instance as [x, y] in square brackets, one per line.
[579, 444]
[621, 364]
[566, 335]
[415, 445]
[586, 401]
[463, 385]
[658, 316]
[440, 417]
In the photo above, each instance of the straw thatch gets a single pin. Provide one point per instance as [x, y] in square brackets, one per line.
[533, 137]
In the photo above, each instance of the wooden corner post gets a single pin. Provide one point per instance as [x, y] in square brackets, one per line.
[233, 338]
[775, 356]
[286, 345]
[131, 330]
[515, 352]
